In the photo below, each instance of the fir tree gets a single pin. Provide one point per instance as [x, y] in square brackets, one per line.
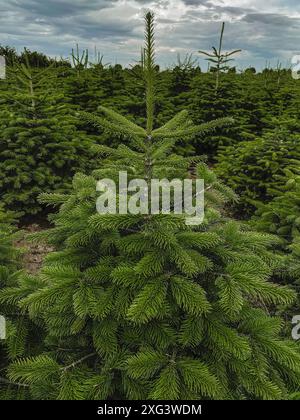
[80, 61]
[281, 216]
[219, 59]
[258, 170]
[146, 306]
[81, 82]
[236, 98]
[40, 148]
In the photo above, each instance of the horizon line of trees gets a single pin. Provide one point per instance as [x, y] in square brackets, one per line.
[39, 59]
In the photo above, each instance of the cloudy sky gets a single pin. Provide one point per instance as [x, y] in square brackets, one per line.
[265, 30]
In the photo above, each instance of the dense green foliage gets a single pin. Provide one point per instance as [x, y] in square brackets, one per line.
[42, 143]
[258, 170]
[22, 338]
[40, 148]
[281, 216]
[147, 306]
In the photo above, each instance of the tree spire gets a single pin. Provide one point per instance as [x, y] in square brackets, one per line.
[149, 69]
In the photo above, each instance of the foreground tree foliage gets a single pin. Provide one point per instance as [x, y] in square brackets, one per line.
[145, 306]
[23, 338]
[8, 264]
[281, 216]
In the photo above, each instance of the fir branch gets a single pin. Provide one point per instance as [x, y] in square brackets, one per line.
[78, 362]
[195, 130]
[8, 382]
[108, 126]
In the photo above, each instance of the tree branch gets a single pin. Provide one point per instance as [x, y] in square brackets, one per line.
[78, 361]
[6, 381]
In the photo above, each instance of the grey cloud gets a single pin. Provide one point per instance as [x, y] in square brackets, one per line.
[198, 2]
[271, 19]
[52, 8]
[53, 26]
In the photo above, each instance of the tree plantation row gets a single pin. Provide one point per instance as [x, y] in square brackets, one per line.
[147, 307]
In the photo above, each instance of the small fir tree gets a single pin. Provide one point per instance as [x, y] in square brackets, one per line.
[219, 59]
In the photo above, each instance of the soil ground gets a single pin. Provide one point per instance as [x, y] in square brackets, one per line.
[34, 252]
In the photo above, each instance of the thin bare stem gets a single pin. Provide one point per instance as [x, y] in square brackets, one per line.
[6, 381]
[77, 362]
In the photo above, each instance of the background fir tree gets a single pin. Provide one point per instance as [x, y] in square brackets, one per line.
[232, 101]
[220, 60]
[40, 148]
[258, 170]
[81, 83]
[253, 98]
[281, 216]
[148, 307]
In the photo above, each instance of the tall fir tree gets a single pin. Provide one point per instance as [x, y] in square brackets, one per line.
[145, 306]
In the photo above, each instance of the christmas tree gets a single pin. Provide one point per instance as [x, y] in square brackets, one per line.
[257, 170]
[40, 148]
[146, 306]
